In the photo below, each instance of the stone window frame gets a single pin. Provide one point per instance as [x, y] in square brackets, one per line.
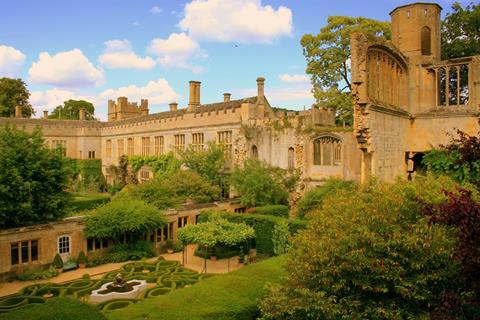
[334, 143]
[31, 257]
[108, 148]
[121, 147]
[159, 144]
[291, 158]
[225, 138]
[178, 143]
[198, 141]
[64, 244]
[146, 146]
[130, 146]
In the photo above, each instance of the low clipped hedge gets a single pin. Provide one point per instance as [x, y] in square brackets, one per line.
[58, 308]
[277, 210]
[263, 224]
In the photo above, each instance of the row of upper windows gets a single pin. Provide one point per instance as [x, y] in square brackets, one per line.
[127, 146]
[63, 144]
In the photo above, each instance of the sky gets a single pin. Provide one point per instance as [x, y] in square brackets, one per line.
[102, 49]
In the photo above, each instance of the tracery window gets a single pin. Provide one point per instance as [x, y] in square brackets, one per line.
[327, 151]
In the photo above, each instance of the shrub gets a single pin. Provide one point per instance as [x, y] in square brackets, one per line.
[314, 198]
[130, 251]
[58, 308]
[38, 273]
[177, 246]
[370, 254]
[280, 237]
[82, 258]
[273, 210]
[260, 184]
[58, 262]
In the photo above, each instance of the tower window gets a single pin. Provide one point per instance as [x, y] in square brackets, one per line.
[426, 35]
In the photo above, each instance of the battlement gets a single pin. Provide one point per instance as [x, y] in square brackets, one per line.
[126, 110]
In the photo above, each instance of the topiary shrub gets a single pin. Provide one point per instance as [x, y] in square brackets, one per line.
[58, 262]
[315, 197]
[38, 273]
[82, 258]
[277, 210]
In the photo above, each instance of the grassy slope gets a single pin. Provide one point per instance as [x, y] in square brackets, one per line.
[228, 296]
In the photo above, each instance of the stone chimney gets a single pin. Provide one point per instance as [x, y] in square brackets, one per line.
[45, 114]
[144, 107]
[81, 115]
[194, 98]
[260, 87]
[18, 111]
[173, 106]
[226, 97]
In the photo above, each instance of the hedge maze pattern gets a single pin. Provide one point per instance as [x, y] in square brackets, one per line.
[163, 276]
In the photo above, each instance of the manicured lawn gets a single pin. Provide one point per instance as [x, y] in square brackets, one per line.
[228, 296]
[86, 201]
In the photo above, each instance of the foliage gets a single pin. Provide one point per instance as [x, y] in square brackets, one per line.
[33, 179]
[278, 210]
[58, 308]
[14, 92]
[215, 231]
[460, 159]
[37, 273]
[461, 211]
[87, 175]
[173, 189]
[261, 184]
[371, 254]
[280, 237]
[461, 31]
[130, 251]
[83, 202]
[70, 110]
[165, 163]
[121, 174]
[58, 262]
[122, 216]
[314, 198]
[82, 258]
[263, 225]
[327, 55]
[222, 297]
[208, 163]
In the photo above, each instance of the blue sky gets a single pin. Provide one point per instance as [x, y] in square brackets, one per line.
[101, 49]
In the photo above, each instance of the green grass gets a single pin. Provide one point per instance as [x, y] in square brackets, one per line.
[87, 201]
[228, 296]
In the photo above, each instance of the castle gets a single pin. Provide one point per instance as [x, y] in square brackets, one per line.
[406, 100]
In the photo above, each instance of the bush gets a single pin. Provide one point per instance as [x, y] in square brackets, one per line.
[58, 262]
[38, 273]
[58, 308]
[273, 210]
[260, 184]
[130, 251]
[315, 197]
[82, 258]
[371, 254]
[263, 225]
[177, 246]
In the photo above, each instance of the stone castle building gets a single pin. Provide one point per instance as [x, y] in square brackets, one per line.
[406, 100]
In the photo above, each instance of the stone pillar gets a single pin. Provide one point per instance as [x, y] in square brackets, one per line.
[173, 106]
[260, 88]
[226, 97]
[45, 114]
[81, 115]
[18, 111]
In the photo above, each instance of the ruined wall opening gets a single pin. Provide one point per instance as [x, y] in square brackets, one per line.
[426, 41]
[254, 152]
[452, 84]
[327, 151]
[291, 158]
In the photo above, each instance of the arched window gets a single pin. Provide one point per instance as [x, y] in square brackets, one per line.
[327, 151]
[64, 244]
[291, 158]
[254, 152]
[426, 41]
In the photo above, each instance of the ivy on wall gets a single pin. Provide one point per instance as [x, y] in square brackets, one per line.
[165, 163]
[87, 175]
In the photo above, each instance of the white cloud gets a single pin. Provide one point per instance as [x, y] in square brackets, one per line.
[243, 21]
[156, 10]
[118, 54]
[50, 99]
[65, 69]
[293, 78]
[157, 92]
[135, 23]
[11, 61]
[177, 51]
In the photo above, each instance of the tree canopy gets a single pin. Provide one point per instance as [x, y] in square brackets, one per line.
[33, 179]
[70, 110]
[461, 31]
[122, 216]
[328, 56]
[14, 92]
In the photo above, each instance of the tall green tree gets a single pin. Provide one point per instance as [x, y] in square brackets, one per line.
[70, 110]
[328, 56]
[33, 179]
[461, 31]
[14, 92]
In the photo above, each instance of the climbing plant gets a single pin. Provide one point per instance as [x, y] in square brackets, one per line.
[162, 164]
